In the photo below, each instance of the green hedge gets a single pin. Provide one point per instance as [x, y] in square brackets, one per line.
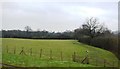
[105, 42]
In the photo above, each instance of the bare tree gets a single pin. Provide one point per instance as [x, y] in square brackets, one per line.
[28, 29]
[92, 28]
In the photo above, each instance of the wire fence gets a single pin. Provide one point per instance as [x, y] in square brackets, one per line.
[74, 57]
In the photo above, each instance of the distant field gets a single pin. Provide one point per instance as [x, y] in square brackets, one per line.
[67, 47]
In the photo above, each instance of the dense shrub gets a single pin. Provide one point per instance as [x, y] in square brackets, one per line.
[85, 40]
[105, 42]
[109, 43]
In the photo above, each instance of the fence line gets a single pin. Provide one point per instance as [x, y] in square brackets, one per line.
[75, 57]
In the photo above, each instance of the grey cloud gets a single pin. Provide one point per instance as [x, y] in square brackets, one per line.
[52, 16]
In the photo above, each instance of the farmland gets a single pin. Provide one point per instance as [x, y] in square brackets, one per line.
[53, 48]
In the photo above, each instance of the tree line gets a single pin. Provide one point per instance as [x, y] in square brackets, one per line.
[36, 34]
[92, 32]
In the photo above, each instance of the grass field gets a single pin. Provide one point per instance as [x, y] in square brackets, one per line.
[67, 47]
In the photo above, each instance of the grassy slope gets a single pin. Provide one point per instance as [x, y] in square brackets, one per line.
[28, 61]
[0, 52]
[66, 46]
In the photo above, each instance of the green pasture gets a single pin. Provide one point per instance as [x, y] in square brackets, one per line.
[66, 47]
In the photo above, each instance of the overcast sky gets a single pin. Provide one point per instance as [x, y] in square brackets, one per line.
[57, 16]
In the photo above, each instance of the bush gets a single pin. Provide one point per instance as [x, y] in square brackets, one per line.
[105, 42]
[85, 40]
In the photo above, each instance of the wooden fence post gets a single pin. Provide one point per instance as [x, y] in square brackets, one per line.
[22, 51]
[31, 51]
[113, 63]
[40, 53]
[7, 48]
[74, 56]
[15, 50]
[87, 60]
[96, 62]
[104, 63]
[61, 56]
[51, 54]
